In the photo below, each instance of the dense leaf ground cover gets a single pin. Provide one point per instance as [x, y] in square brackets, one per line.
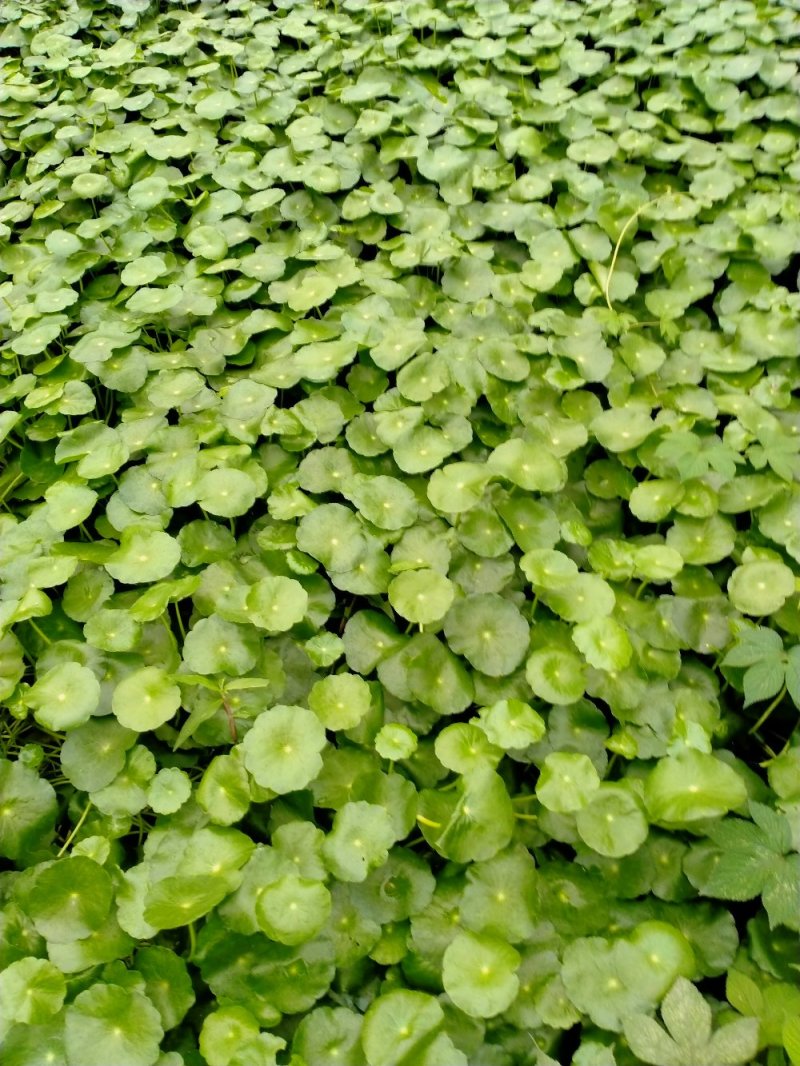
[401, 533]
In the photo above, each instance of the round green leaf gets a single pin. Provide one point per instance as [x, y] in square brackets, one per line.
[608, 981]
[395, 741]
[64, 697]
[108, 1023]
[527, 465]
[144, 556]
[28, 809]
[167, 983]
[169, 790]
[31, 991]
[603, 643]
[176, 901]
[701, 541]
[489, 631]
[398, 1024]
[686, 788]
[276, 603]
[652, 501]
[93, 754]
[207, 242]
[293, 909]
[359, 841]
[143, 270]
[549, 569]
[511, 724]
[385, 501]
[657, 563]
[421, 596]
[668, 953]
[340, 701]
[479, 974]
[585, 598]
[567, 781]
[760, 588]
[623, 428]
[556, 675]
[329, 1034]
[226, 492]
[463, 747]
[148, 193]
[69, 899]
[145, 699]
[470, 823]
[282, 750]
[225, 1032]
[112, 630]
[68, 505]
[612, 823]
[224, 791]
[332, 534]
[457, 487]
[215, 646]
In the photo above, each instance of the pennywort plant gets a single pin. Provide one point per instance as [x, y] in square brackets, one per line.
[400, 533]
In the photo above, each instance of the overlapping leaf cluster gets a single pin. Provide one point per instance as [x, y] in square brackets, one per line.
[401, 533]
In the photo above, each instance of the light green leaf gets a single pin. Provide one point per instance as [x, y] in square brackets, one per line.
[340, 701]
[276, 603]
[421, 596]
[489, 631]
[65, 697]
[282, 749]
[293, 909]
[567, 781]
[144, 556]
[479, 974]
[612, 823]
[685, 788]
[107, 1023]
[359, 841]
[145, 699]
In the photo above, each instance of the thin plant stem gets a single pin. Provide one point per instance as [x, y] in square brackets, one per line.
[229, 715]
[75, 830]
[618, 245]
[768, 712]
[36, 629]
[427, 821]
